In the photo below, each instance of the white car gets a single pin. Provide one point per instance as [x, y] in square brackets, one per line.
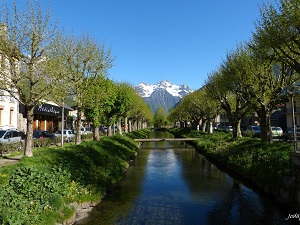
[84, 130]
[68, 135]
[276, 131]
[10, 135]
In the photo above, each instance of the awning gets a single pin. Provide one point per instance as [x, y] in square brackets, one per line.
[47, 109]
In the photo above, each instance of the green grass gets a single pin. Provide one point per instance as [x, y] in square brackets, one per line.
[38, 190]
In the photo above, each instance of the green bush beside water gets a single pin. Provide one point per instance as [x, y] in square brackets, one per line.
[264, 164]
[38, 190]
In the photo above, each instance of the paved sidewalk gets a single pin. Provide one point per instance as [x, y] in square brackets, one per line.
[10, 160]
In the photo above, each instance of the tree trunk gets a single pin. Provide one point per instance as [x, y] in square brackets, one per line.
[119, 125]
[28, 142]
[78, 127]
[109, 130]
[236, 126]
[96, 134]
[126, 124]
[209, 127]
[265, 125]
[133, 125]
[129, 125]
[203, 126]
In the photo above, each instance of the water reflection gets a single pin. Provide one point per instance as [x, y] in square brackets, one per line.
[170, 183]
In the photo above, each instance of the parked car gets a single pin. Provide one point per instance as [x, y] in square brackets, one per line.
[68, 135]
[10, 135]
[85, 130]
[43, 134]
[227, 128]
[276, 131]
[255, 129]
[291, 131]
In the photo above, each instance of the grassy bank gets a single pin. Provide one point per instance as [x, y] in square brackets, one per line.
[39, 190]
[266, 165]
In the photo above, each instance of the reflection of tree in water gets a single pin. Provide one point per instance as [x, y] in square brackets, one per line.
[227, 204]
[203, 179]
[244, 206]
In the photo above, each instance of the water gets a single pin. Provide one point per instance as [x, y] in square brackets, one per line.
[170, 183]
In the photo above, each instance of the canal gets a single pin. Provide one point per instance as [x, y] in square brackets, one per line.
[170, 183]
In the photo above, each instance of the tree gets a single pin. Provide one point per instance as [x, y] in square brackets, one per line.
[132, 95]
[160, 117]
[277, 33]
[122, 103]
[210, 109]
[140, 113]
[261, 83]
[222, 87]
[180, 114]
[28, 73]
[109, 109]
[82, 58]
[96, 94]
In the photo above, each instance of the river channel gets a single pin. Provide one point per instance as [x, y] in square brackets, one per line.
[170, 183]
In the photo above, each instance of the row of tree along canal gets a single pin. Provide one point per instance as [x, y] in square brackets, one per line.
[170, 183]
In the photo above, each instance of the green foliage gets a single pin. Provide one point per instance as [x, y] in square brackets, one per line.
[87, 136]
[31, 191]
[11, 147]
[38, 190]
[45, 142]
[97, 95]
[160, 117]
[138, 133]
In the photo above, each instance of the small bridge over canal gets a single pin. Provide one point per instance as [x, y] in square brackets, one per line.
[164, 139]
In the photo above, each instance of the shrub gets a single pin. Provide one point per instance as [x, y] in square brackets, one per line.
[248, 133]
[11, 147]
[87, 136]
[45, 142]
[32, 191]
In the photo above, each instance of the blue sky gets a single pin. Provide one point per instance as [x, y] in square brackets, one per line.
[180, 41]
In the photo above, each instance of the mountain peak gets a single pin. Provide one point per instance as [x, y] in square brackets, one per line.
[165, 83]
[145, 90]
[163, 94]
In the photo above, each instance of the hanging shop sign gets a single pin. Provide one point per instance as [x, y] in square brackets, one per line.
[47, 110]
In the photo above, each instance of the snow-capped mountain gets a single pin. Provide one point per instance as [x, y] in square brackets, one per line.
[163, 94]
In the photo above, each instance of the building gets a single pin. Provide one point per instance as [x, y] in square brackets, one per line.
[47, 116]
[9, 106]
[8, 111]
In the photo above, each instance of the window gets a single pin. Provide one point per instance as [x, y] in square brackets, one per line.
[9, 134]
[1, 115]
[12, 99]
[11, 116]
[16, 134]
